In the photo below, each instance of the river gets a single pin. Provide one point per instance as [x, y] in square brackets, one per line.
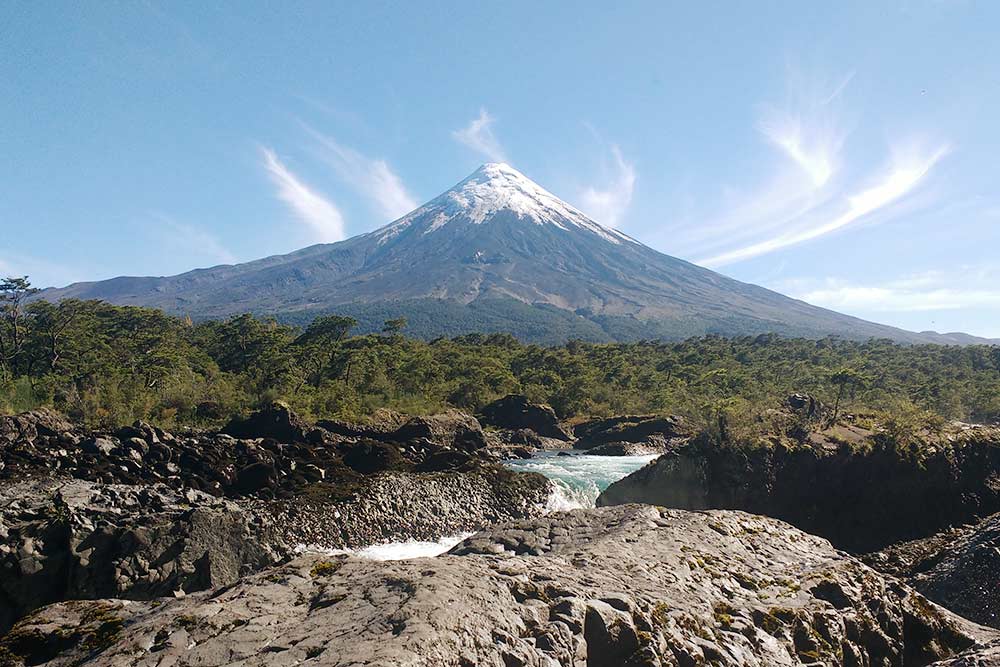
[579, 478]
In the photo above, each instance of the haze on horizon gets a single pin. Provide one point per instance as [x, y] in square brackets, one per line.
[842, 154]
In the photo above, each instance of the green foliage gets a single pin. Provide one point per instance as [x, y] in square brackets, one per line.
[906, 427]
[14, 333]
[394, 326]
[110, 364]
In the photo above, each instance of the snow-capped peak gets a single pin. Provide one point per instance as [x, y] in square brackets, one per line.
[491, 189]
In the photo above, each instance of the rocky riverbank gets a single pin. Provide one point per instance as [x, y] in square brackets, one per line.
[958, 568]
[140, 513]
[139, 546]
[845, 483]
[604, 588]
[924, 510]
[72, 539]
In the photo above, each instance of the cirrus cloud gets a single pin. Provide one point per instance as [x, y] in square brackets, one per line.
[607, 204]
[899, 180]
[319, 214]
[808, 189]
[478, 135]
[373, 178]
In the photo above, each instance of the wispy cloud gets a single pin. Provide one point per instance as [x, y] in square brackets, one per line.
[372, 177]
[900, 179]
[808, 128]
[478, 135]
[808, 189]
[321, 215]
[814, 150]
[608, 204]
[971, 287]
[809, 132]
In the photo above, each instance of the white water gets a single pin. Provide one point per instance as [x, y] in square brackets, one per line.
[395, 550]
[579, 478]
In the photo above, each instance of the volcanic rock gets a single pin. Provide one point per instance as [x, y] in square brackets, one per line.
[26, 427]
[656, 432]
[628, 448]
[451, 429]
[862, 497]
[625, 586]
[517, 412]
[957, 568]
[275, 421]
[396, 506]
[74, 539]
[379, 425]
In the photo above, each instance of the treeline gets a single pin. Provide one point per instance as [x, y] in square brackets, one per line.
[108, 365]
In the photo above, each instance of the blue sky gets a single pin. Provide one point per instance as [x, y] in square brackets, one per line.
[845, 153]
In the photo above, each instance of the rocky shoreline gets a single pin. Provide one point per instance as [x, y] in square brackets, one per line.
[862, 494]
[691, 588]
[141, 513]
[140, 546]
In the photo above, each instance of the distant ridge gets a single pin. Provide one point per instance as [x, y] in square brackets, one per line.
[496, 253]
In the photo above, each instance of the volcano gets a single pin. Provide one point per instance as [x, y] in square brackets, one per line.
[495, 253]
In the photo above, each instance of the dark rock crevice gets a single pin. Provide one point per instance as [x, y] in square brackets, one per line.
[861, 498]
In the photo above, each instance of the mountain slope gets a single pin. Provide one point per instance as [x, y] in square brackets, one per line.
[492, 242]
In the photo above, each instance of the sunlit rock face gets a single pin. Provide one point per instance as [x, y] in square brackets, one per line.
[605, 587]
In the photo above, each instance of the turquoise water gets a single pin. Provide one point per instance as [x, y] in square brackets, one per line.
[580, 478]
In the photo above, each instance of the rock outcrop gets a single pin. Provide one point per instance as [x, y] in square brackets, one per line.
[394, 506]
[25, 428]
[516, 412]
[980, 656]
[958, 568]
[378, 425]
[276, 456]
[626, 586]
[653, 432]
[74, 539]
[452, 429]
[861, 495]
[627, 449]
[140, 513]
[275, 421]
[806, 406]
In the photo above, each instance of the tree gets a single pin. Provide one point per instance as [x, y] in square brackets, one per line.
[147, 343]
[14, 293]
[240, 344]
[394, 326]
[845, 377]
[328, 329]
[318, 347]
[55, 331]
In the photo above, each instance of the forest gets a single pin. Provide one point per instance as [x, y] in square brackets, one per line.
[107, 365]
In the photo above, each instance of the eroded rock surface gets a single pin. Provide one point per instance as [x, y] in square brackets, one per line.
[651, 432]
[958, 568]
[74, 539]
[140, 513]
[603, 588]
[516, 412]
[860, 494]
[980, 656]
[394, 506]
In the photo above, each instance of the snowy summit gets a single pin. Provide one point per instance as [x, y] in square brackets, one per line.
[493, 189]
